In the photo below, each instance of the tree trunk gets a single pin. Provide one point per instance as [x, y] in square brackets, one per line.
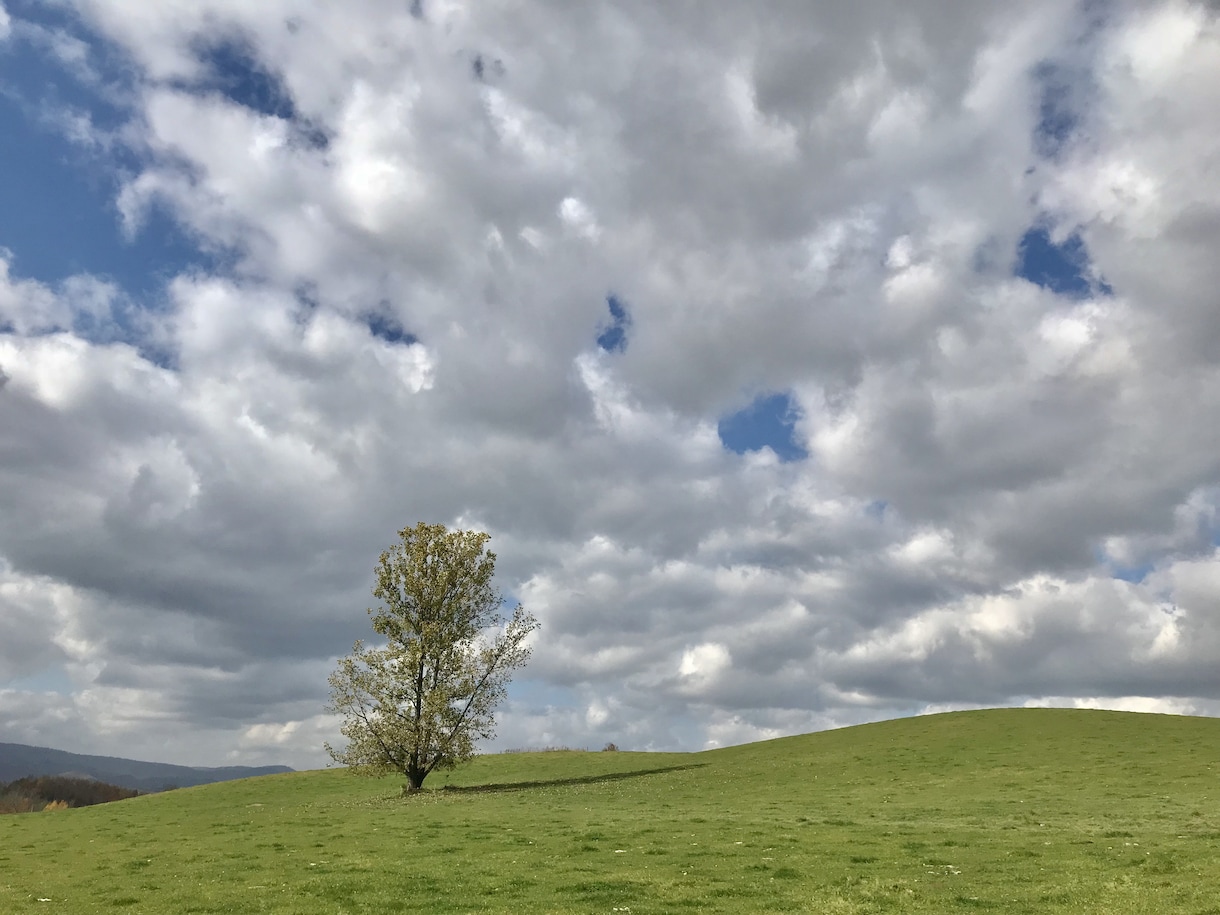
[415, 780]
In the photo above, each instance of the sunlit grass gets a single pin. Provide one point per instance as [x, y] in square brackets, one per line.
[1012, 811]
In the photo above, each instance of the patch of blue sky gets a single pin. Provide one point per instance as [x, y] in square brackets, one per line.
[877, 509]
[1064, 85]
[1062, 267]
[235, 72]
[538, 694]
[1133, 573]
[389, 329]
[62, 169]
[232, 69]
[612, 337]
[768, 422]
[1057, 267]
[1058, 118]
[49, 680]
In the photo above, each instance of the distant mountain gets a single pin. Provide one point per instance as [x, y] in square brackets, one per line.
[18, 761]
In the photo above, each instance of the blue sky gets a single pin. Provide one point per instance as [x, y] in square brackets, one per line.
[58, 210]
[806, 369]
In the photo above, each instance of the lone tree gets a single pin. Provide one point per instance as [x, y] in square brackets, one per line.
[420, 703]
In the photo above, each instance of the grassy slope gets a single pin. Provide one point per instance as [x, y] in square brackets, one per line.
[1013, 811]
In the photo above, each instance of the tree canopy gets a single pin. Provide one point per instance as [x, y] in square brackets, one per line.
[424, 700]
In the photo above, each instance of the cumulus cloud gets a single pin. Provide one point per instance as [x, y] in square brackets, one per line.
[421, 226]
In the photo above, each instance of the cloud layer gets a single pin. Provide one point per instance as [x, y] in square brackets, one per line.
[418, 221]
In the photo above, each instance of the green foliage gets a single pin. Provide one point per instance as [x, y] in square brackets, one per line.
[424, 701]
[1019, 812]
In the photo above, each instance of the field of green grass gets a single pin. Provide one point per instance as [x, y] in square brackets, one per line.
[1007, 811]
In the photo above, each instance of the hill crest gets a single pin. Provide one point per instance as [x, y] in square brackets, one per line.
[21, 761]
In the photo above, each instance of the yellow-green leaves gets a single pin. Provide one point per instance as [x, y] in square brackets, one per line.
[423, 700]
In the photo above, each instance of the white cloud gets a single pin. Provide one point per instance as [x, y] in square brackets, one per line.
[704, 662]
[841, 224]
[27, 306]
[1166, 705]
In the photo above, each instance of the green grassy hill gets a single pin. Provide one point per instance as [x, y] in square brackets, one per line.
[1008, 811]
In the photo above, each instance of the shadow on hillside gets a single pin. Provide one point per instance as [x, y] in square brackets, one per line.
[559, 782]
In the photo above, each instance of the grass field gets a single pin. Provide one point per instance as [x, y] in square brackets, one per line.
[1007, 811]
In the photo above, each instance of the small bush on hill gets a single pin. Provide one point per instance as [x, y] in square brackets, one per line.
[15, 802]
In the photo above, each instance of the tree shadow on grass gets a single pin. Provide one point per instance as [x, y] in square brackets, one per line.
[559, 782]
